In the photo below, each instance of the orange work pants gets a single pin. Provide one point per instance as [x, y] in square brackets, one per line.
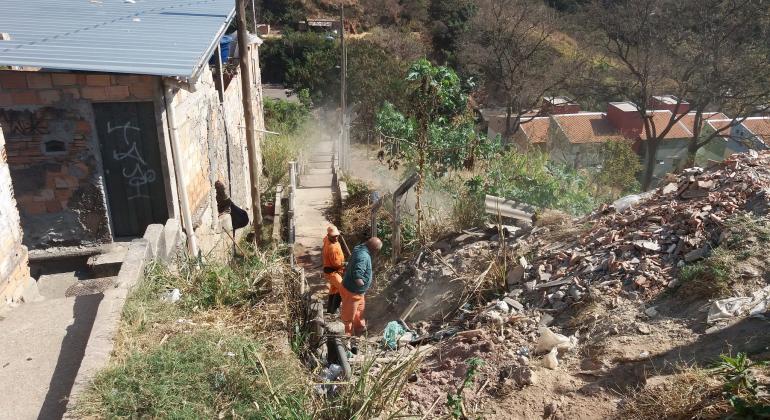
[335, 282]
[352, 312]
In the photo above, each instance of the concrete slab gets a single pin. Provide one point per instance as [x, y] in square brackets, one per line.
[42, 347]
[316, 181]
[53, 286]
[108, 264]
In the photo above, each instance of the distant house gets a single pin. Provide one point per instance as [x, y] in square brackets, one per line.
[533, 134]
[751, 133]
[577, 139]
[532, 127]
[114, 119]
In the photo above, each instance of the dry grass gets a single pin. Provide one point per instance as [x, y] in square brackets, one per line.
[740, 256]
[690, 394]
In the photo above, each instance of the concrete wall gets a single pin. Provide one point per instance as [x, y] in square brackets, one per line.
[577, 155]
[209, 135]
[60, 194]
[14, 264]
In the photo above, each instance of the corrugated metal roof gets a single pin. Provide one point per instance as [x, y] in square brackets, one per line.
[156, 37]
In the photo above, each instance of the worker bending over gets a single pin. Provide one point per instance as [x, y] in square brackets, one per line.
[357, 280]
[334, 266]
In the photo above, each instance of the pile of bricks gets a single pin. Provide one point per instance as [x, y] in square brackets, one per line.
[642, 248]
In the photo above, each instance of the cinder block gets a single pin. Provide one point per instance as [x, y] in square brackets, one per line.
[171, 235]
[132, 268]
[94, 93]
[50, 96]
[117, 92]
[154, 235]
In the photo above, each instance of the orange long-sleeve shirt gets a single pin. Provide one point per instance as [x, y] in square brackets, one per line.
[332, 255]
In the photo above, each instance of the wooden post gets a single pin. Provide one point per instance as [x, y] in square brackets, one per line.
[252, 144]
[344, 152]
[400, 191]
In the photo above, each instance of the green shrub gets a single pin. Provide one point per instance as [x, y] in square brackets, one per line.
[286, 117]
[532, 179]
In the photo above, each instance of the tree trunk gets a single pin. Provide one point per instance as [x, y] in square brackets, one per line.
[508, 128]
[422, 145]
[693, 146]
[650, 161]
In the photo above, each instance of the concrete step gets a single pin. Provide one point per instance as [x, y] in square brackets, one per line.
[318, 171]
[315, 181]
[319, 165]
[107, 264]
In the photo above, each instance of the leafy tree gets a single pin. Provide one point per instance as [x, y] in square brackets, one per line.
[374, 77]
[303, 60]
[437, 133]
[450, 19]
[533, 179]
[285, 116]
[713, 53]
[508, 45]
[620, 168]
[286, 12]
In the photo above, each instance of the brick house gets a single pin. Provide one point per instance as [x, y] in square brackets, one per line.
[577, 139]
[14, 261]
[114, 119]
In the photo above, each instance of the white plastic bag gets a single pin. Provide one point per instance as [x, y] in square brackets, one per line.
[550, 361]
[549, 340]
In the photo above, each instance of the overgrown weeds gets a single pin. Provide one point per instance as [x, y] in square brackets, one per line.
[220, 351]
[741, 254]
[374, 391]
[202, 375]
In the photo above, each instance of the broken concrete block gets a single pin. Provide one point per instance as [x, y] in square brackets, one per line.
[515, 275]
[514, 304]
[696, 254]
[27, 292]
[153, 234]
[172, 233]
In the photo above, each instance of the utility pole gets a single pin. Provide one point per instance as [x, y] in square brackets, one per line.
[343, 94]
[252, 144]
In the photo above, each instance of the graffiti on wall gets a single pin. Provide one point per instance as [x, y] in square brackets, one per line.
[23, 123]
[140, 174]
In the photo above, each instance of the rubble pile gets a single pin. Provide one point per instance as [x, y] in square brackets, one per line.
[641, 242]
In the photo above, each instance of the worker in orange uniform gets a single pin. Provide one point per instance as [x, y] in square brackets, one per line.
[357, 280]
[334, 266]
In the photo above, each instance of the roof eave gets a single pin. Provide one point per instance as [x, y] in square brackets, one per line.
[198, 69]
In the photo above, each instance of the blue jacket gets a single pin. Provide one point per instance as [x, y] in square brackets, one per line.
[359, 267]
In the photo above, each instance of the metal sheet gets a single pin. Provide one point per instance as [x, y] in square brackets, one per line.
[154, 37]
[508, 208]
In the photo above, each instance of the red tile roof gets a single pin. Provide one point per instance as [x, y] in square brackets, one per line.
[587, 127]
[536, 129]
[760, 126]
[661, 119]
[689, 119]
